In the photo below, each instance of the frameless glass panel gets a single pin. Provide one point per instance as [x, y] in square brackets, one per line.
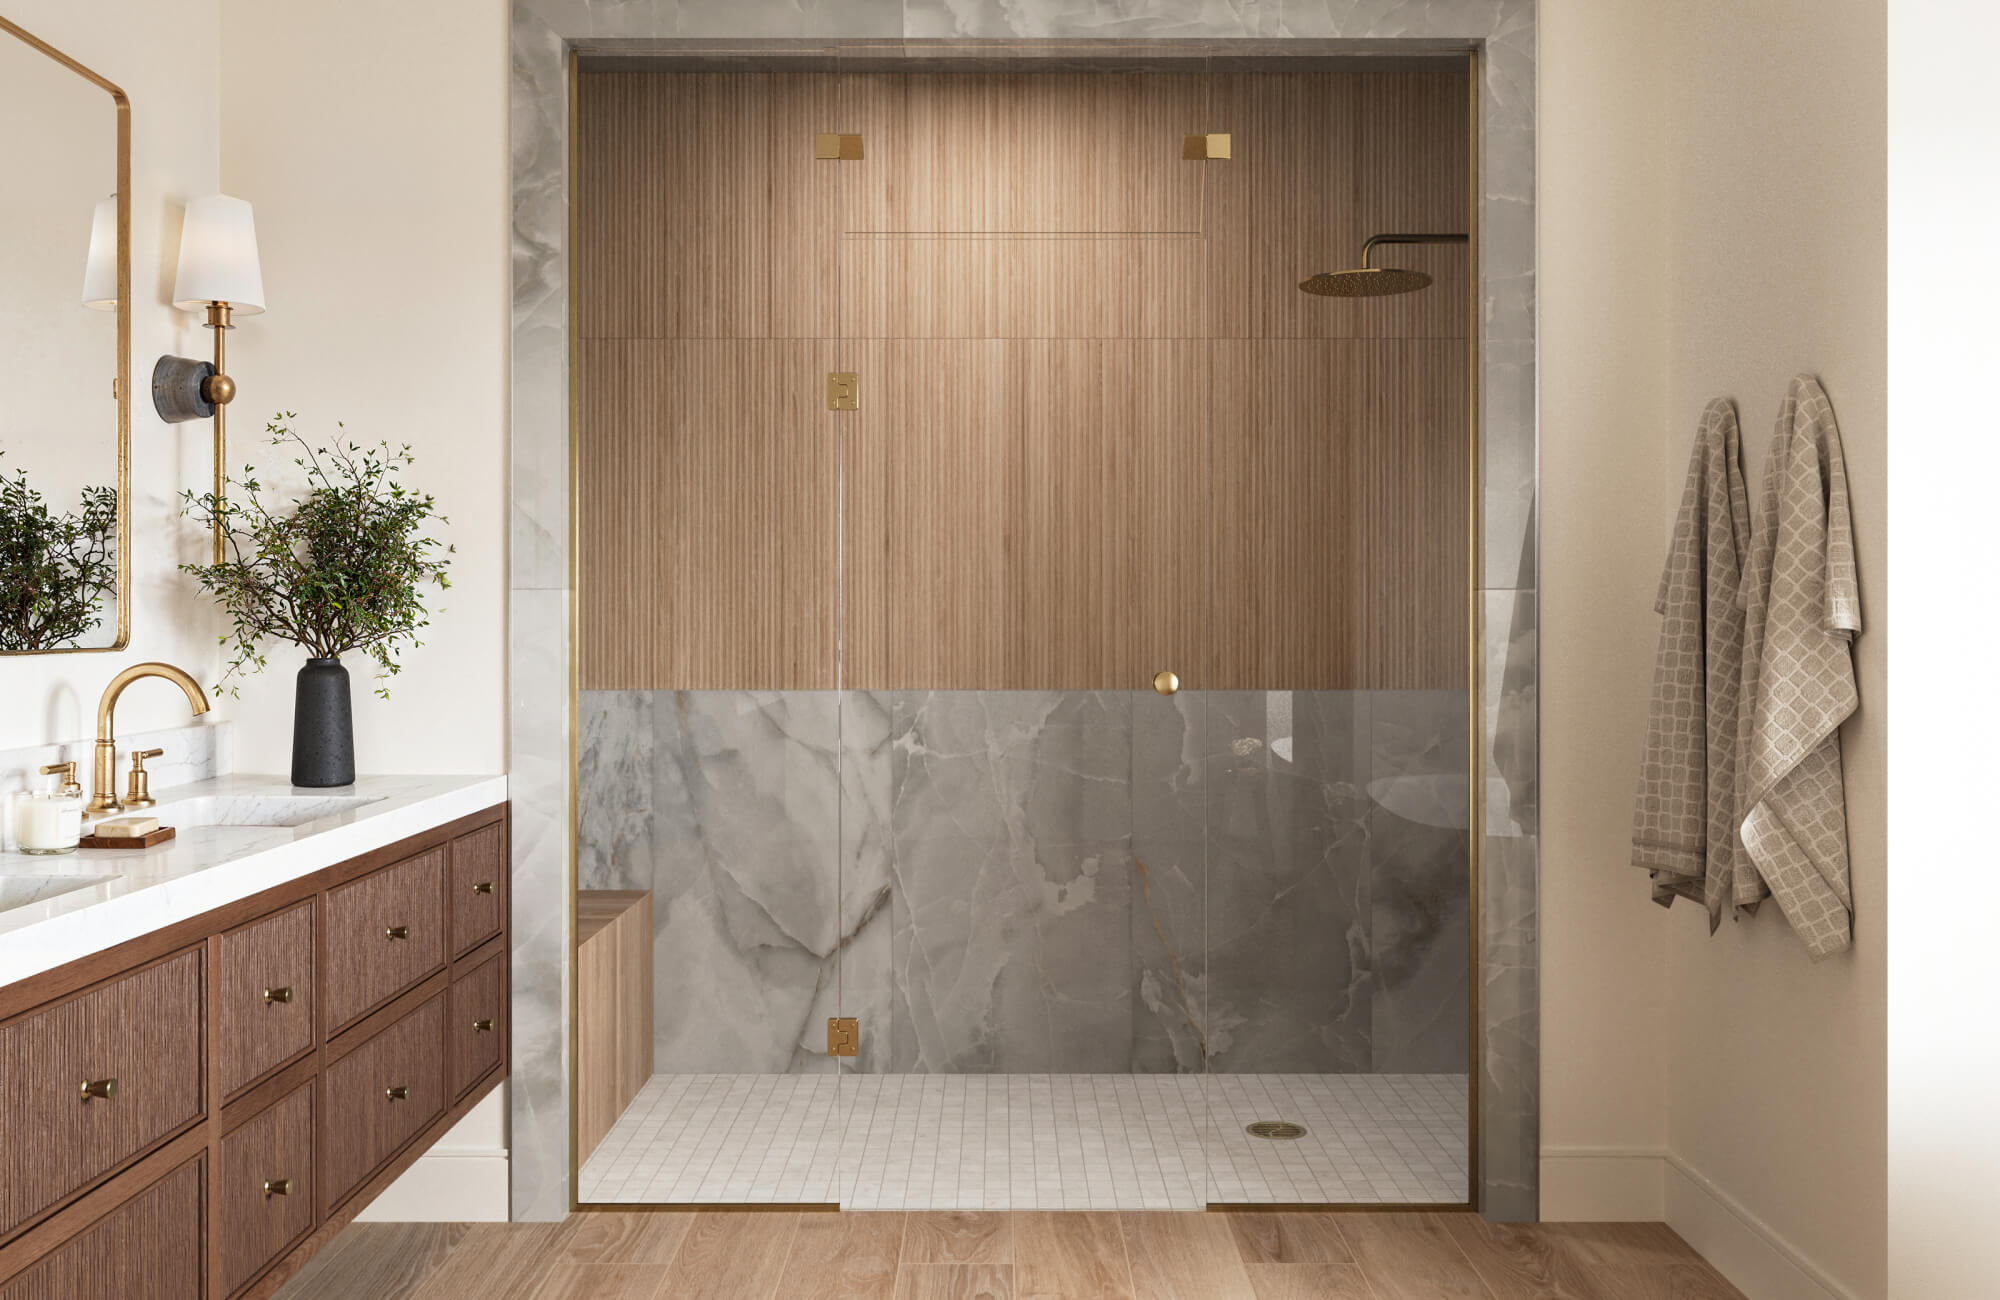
[1339, 902]
[710, 728]
[1021, 280]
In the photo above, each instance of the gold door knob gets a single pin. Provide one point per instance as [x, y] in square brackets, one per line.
[397, 1093]
[482, 1026]
[397, 932]
[277, 1187]
[1165, 682]
[483, 887]
[277, 995]
[104, 1089]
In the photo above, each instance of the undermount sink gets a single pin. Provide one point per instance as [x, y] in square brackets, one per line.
[265, 810]
[19, 891]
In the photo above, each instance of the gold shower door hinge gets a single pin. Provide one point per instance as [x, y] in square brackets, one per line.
[843, 1036]
[1199, 147]
[843, 390]
[828, 145]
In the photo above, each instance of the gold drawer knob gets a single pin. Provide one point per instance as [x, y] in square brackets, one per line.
[483, 887]
[104, 1089]
[397, 1093]
[277, 995]
[397, 932]
[277, 1187]
[1165, 682]
[482, 1026]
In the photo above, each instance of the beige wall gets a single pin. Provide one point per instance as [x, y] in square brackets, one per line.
[1604, 423]
[1712, 223]
[372, 139]
[1775, 247]
[162, 52]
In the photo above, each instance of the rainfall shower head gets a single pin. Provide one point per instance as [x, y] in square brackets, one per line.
[1367, 281]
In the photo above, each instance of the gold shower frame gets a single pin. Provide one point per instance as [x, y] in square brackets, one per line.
[1475, 787]
[122, 387]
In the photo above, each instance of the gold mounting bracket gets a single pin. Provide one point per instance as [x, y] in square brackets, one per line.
[829, 146]
[1197, 148]
[843, 1036]
[843, 390]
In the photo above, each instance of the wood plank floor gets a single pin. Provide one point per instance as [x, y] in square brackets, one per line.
[1019, 1256]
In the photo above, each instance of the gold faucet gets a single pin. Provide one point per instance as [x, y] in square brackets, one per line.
[105, 797]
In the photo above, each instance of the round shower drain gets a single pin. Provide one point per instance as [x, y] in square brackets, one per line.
[1278, 1130]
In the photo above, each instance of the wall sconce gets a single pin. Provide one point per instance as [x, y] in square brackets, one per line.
[100, 268]
[219, 276]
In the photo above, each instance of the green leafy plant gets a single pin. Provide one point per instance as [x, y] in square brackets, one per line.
[343, 568]
[55, 567]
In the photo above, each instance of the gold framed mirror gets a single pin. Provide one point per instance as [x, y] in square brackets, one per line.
[65, 476]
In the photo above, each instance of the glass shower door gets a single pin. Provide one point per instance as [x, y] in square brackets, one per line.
[1020, 296]
[1339, 897]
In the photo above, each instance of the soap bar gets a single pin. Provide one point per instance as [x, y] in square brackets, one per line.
[125, 828]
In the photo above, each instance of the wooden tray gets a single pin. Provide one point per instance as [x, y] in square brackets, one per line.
[146, 841]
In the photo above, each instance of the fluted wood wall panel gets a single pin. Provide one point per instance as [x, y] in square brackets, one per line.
[706, 531]
[1321, 161]
[1029, 536]
[1101, 432]
[1074, 153]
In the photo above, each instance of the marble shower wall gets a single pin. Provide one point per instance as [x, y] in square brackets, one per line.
[1060, 882]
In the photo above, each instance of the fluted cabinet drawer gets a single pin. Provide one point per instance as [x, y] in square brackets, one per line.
[266, 1188]
[478, 1025]
[384, 933]
[149, 1248]
[478, 887]
[139, 1039]
[379, 1096]
[264, 987]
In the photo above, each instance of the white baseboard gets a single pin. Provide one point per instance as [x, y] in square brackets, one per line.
[462, 1179]
[445, 1187]
[1612, 1184]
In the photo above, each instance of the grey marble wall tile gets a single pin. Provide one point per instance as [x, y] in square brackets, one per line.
[538, 785]
[1290, 951]
[1169, 936]
[538, 526]
[1012, 870]
[1510, 1051]
[1420, 867]
[1510, 1055]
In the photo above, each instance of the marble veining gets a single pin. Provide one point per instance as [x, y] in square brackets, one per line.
[133, 892]
[1038, 882]
[1505, 33]
[198, 752]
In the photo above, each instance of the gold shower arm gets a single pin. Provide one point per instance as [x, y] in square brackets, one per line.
[1368, 248]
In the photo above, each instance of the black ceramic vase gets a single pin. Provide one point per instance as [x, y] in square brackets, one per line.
[323, 726]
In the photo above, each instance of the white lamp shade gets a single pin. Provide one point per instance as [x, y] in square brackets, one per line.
[100, 269]
[219, 257]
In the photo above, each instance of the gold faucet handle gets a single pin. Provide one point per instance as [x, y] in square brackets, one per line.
[68, 773]
[137, 792]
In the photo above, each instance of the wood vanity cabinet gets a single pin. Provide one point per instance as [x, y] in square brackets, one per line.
[192, 1114]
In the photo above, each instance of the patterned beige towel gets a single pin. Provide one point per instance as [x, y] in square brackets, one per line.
[1803, 609]
[1684, 822]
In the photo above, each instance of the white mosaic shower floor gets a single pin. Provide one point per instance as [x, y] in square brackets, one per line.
[1034, 1141]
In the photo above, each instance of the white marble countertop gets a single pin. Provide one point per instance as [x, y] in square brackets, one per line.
[138, 891]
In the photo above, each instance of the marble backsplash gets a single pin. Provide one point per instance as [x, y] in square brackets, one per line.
[189, 753]
[1041, 882]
